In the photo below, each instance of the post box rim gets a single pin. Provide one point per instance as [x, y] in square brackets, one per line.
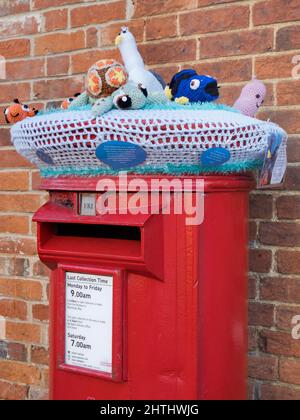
[212, 183]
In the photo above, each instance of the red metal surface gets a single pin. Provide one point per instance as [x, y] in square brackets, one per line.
[185, 326]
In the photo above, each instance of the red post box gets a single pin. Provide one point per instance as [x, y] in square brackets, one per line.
[145, 306]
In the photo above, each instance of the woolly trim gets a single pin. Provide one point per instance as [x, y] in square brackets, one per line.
[168, 169]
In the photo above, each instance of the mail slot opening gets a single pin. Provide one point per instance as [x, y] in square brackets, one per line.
[128, 233]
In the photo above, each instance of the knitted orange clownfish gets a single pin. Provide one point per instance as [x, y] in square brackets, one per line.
[18, 112]
[67, 102]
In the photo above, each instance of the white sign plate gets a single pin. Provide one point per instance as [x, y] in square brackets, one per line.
[89, 321]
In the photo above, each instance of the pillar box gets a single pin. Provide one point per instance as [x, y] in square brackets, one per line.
[146, 306]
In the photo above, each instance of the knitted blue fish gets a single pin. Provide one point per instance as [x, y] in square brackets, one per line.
[189, 87]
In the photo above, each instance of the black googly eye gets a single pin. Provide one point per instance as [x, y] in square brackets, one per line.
[124, 102]
[25, 108]
[70, 100]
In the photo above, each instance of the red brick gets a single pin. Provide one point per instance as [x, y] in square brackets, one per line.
[280, 289]
[59, 43]
[261, 314]
[9, 7]
[39, 355]
[40, 312]
[293, 150]
[208, 21]
[11, 392]
[261, 206]
[288, 207]
[289, 371]
[96, 14]
[13, 309]
[252, 339]
[156, 7]
[279, 343]
[25, 69]
[56, 20]
[20, 203]
[263, 368]
[275, 66]
[40, 270]
[92, 38]
[161, 27]
[280, 234]
[169, 52]
[15, 48]
[260, 260]
[288, 38]
[285, 315]
[289, 120]
[57, 66]
[82, 61]
[5, 138]
[288, 262]
[252, 287]
[226, 71]
[18, 246]
[58, 88]
[273, 392]
[11, 91]
[13, 351]
[23, 332]
[19, 372]
[14, 224]
[275, 11]
[14, 181]
[22, 289]
[237, 43]
[24, 25]
[253, 231]
[288, 93]
[292, 179]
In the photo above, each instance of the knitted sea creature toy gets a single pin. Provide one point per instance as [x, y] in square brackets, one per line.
[189, 87]
[18, 112]
[135, 65]
[252, 97]
[129, 97]
[67, 102]
[103, 79]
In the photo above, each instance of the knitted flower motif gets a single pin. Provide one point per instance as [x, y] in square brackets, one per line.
[94, 83]
[116, 76]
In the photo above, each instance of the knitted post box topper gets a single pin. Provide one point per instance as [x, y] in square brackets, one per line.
[103, 79]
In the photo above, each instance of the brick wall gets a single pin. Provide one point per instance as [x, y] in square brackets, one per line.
[48, 45]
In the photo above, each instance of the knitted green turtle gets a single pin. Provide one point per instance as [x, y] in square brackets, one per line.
[128, 97]
[103, 79]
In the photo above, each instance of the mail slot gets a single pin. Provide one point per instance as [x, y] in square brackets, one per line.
[146, 306]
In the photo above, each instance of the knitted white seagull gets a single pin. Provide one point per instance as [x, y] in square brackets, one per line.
[134, 63]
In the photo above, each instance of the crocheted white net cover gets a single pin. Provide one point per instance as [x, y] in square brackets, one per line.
[176, 137]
